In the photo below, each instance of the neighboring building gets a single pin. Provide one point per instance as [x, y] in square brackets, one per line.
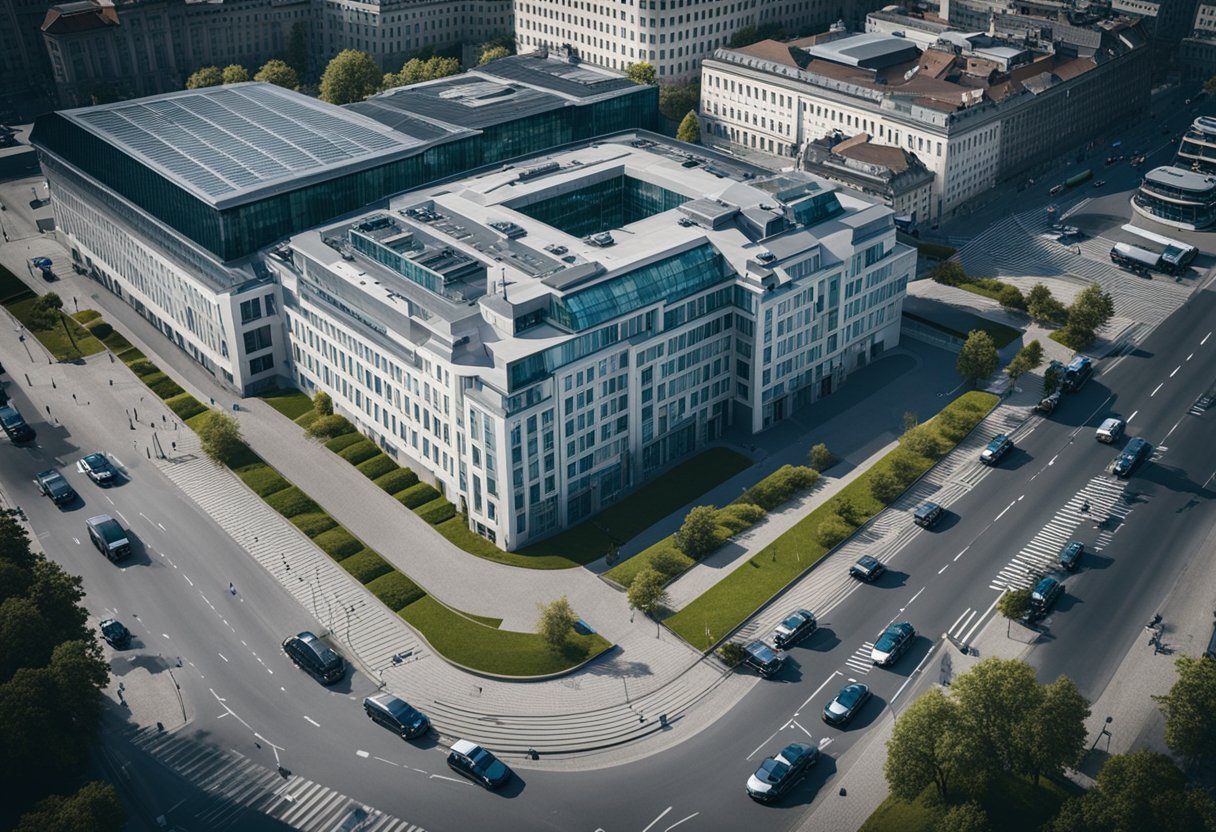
[547, 336]
[922, 28]
[26, 87]
[1197, 53]
[1197, 150]
[891, 174]
[973, 107]
[1177, 197]
[166, 200]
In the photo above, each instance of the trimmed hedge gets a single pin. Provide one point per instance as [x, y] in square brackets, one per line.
[291, 501]
[395, 590]
[341, 443]
[338, 543]
[129, 354]
[314, 523]
[359, 452]
[164, 387]
[738, 517]
[366, 566]
[185, 405]
[396, 480]
[436, 511]
[779, 486]
[307, 419]
[330, 426]
[143, 367]
[377, 466]
[262, 479]
[417, 495]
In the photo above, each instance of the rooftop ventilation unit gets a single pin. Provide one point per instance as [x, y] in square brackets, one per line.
[603, 239]
[766, 257]
[538, 170]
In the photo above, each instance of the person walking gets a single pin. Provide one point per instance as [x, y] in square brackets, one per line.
[231, 588]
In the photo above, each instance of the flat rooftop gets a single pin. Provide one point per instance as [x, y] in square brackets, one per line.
[1186, 180]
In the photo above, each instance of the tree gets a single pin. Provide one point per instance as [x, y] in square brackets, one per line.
[1136, 791]
[296, 55]
[349, 77]
[677, 99]
[905, 466]
[965, 817]
[832, 531]
[1190, 709]
[1051, 379]
[556, 622]
[884, 487]
[1033, 352]
[948, 273]
[922, 440]
[1043, 306]
[220, 437]
[647, 592]
[821, 458]
[732, 653]
[322, 403]
[1209, 86]
[642, 73]
[235, 74]
[279, 73]
[492, 52]
[927, 748]
[207, 76]
[1014, 605]
[1091, 310]
[1054, 738]
[995, 698]
[417, 70]
[1017, 368]
[689, 129]
[94, 808]
[44, 312]
[1010, 297]
[910, 420]
[698, 536]
[847, 510]
[978, 358]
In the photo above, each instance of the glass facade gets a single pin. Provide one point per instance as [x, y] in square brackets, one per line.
[1195, 209]
[613, 203]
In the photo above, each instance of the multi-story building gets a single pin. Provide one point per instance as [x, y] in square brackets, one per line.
[1177, 197]
[972, 106]
[166, 201]
[889, 173]
[26, 86]
[547, 336]
[1197, 52]
[1197, 149]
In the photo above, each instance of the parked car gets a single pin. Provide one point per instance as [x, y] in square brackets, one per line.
[15, 427]
[1044, 596]
[867, 568]
[1136, 451]
[847, 703]
[109, 537]
[396, 715]
[794, 628]
[52, 484]
[478, 765]
[1048, 404]
[762, 658]
[1076, 374]
[98, 468]
[1110, 430]
[998, 447]
[927, 514]
[315, 657]
[892, 644]
[776, 775]
[115, 633]
[1070, 556]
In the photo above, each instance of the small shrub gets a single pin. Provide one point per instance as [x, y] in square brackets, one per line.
[164, 387]
[338, 543]
[396, 480]
[366, 566]
[436, 511]
[377, 466]
[905, 466]
[780, 486]
[143, 367]
[669, 563]
[732, 653]
[341, 443]
[327, 427]
[847, 510]
[99, 329]
[395, 590]
[291, 501]
[948, 273]
[359, 452]
[184, 405]
[1010, 297]
[417, 495]
[884, 487]
[821, 458]
[262, 479]
[323, 404]
[314, 524]
[305, 421]
[128, 355]
[738, 517]
[832, 531]
[698, 535]
[922, 440]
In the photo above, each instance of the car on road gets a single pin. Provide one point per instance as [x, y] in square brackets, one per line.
[1056, 189]
[1098, 183]
[867, 568]
[762, 658]
[115, 633]
[52, 484]
[1070, 556]
[892, 644]
[109, 537]
[15, 427]
[1044, 596]
[1110, 430]
[927, 514]
[996, 448]
[478, 765]
[315, 657]
[1134, 452]
[98, 468]
[1076, 373]
[776, 775]
[794, 628]
[396, 715]
[847, 703]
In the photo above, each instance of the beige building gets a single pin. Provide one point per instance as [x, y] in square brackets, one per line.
[888, 173]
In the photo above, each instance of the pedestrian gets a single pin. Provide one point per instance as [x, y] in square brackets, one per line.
[231, 588]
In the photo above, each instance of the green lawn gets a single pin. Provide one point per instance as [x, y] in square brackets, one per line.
[1001, 334]
[470, 643]
[726, 605]
[56, 339]
[637, 512]
[981, 289]
[1013, 805]
[291, 403]
[623, 573]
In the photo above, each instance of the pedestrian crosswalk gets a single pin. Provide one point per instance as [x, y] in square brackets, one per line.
[860, 661]
[236, 786]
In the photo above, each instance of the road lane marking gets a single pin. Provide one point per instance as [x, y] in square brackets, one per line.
[313, 722]
[1205, 339]
[1133, 416]
[451, 779]
[1176, 369]
[188, 580]
[1174, 428]
[967, 638]
[363, 754]
[162, 528]
[1052, 461]
[222, 656]
[656, 820]
[826, 682]
[1189, 357]
[677, 823]
[943, 569]
[1002, 514]
[960, 554]
[381, 759]
[125, 521]
[958, 621]
[1155, 389]
[800, 728]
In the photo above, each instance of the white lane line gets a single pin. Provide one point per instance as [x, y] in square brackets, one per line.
[656, 820]
[800, 728]
[967, 638]
[188, 580]
[1174, 428]
[125, 521]
[943, 569]
[146, 517]
[1205, 339]
[1189, 357]
[1176, 369]
[677, 823]
[914, 597]
[826, 682]
[312, 722]
[1052, 461]
[222, 656]
[1002, 514]
[974, 613]
[381, 759]
[1155, 389]
[958, 621]
[451, 779]
[1133, 416]
[363, 754]
[162, 528]
[960, 554]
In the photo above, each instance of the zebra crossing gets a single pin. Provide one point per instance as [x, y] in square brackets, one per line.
[860, 661]
[237, 785]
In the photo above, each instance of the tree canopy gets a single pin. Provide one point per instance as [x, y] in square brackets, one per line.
[207, 76]
[1043, 306]
[350, 76]
[1190, 709]
[492, 52]
[689, 129]
[1091, 310]
[642, 73]
[1138, 791]
[235, 74]
[698, 535]
[296, 55]
[978, 358]
[279, 73]
[220, 437]
[646, 592]
[556, 621]
[416, 70]
[675, 100]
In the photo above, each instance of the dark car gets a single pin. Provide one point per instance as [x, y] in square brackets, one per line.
[927, 514]
[1134, 452]
[794, 628]
[892, 643]
[1044, 596]
[14, 426]
[98, 469]
[762, 658]
[1076, 374]
[996, 448]
[846, 704]
[53, 485]
[109, 537]
[315, 657]
[867, 568]
[115, 633]
[777, 774]
[1048, 404]
[1070, 556]
[396, 715]
[477, 764]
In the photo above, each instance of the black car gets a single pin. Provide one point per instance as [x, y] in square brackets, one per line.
[797, 625]
[1076, 374]
[762, 658]
[14, 426]
[867, 568]
[315, 657]
[115, 633]
[1070, 556]
[98, 469]
[777, 774]
[892, 643]
[997, 448]
[477, 764]
[109, 537]
[52, 484]
[397, 715]
[927, 514]
[1044, 596]
[846, 704]
[1134, 452]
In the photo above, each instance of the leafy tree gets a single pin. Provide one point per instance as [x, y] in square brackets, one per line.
[1010, 297]
[884, 487]
[847, 510]
[953, 424]
[927, 748]
[905, 466]
[327, 427]
[677, 99]
[220, 437]
[492, 52]
[1033, 352]
[349, 77]
[1054, 739]
[780, 486]
[1091, 310]
[1137, 791]
[235, 74]
[642, 73]
[279, 73]
[965, 817]
[689, 129]
[698, 536]
[732, 653]
[322, 403]
[1017, 368]
[647, 592]
[978, 358]
[995, 698]
[832, 531]
[948, 273]
[556, 622]
[1190, 709]
[754, 34]
[667, 563]
[417, 70]
[94, 808]
[45, 311]
[821, 458]
[922, 440]
[1043, 306]
[1051, 379]
[208, 76]
[296, 55]
[1014, 605]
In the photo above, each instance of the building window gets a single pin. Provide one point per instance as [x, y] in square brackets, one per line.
[251, 310]
[261, 364]
[258, 339]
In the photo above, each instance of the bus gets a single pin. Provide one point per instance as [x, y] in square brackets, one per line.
[1083, 176]
[1135, 259]
[1176, 256]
